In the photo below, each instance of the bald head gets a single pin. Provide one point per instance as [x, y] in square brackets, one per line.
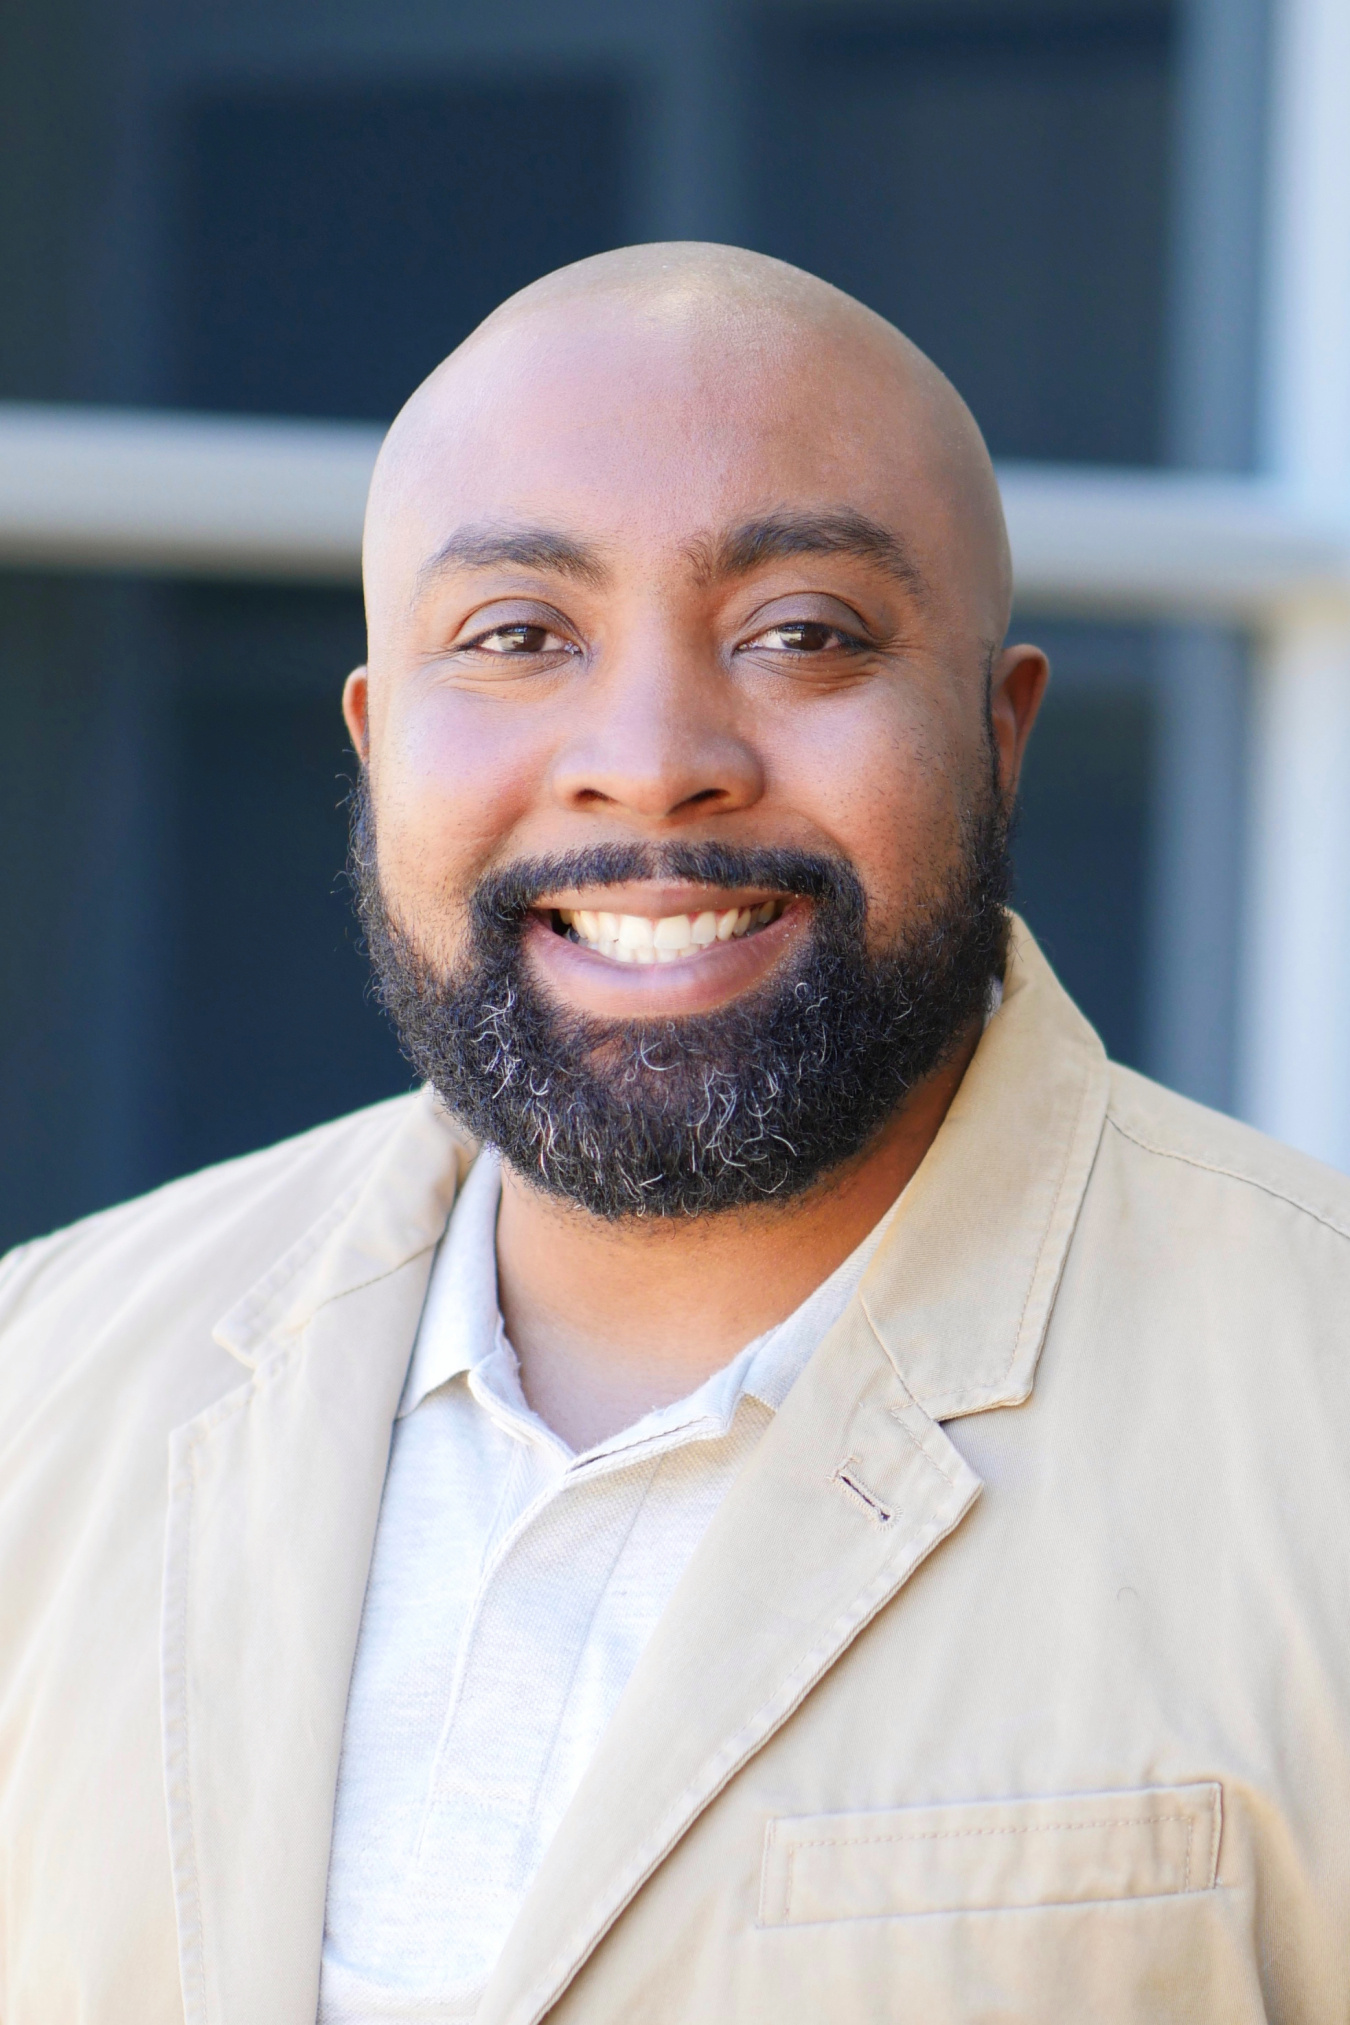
[746, 356]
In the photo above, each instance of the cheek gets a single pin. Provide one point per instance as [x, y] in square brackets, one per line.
[887, 781]
[453, 775]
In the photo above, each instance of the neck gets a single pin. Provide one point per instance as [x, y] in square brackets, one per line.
[610, 1320]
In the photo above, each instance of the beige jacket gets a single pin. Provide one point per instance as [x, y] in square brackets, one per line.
[977, 1702]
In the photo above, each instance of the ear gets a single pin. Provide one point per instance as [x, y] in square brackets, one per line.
[1016, 685]
[356, 712]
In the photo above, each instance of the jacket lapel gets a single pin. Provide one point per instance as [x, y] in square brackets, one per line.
[851, 1488]
[961, 1292]
[853, 1485]
[274, 1497]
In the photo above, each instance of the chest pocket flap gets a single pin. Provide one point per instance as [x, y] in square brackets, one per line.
[980, 1855]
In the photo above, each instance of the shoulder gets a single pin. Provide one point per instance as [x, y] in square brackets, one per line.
[1187, 1153]
[1205, 1297]
[280, 1186]
[163, 1268]
[1213, 1232]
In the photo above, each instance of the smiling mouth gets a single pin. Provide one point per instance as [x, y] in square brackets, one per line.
[671, 938]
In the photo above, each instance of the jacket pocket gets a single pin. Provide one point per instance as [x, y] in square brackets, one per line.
[981, 1855]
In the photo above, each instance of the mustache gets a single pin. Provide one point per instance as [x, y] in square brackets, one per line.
[502, 898]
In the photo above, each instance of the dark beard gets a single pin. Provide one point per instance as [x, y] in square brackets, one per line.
[749, 1103]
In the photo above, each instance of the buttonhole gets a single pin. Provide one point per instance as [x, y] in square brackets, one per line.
[848, 1480]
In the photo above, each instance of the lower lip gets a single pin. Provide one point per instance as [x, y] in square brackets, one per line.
[587, 982]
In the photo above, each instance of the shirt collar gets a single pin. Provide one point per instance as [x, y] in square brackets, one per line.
[461, 1330]
[460, 1317]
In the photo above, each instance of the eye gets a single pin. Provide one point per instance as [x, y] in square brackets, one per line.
[804, 636]
[522, 637]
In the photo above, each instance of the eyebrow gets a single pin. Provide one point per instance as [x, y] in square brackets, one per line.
[487, 547]
[739, 552]
[775, 536]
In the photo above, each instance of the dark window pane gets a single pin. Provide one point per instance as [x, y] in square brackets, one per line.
[1081, 852]
[269, 1028]
[998, 188]
[334, 244]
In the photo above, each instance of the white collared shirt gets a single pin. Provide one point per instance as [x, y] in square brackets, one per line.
[512, 1589]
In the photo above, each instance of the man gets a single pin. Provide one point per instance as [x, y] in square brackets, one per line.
[841, 1509]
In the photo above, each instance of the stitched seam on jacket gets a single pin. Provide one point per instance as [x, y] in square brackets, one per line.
[285, 1270]
[1229, 1174]
[1215, 1833]
[1050, 1224]
[265, 1367]
[899, 1414]
[966, 1834]
[385, 1273]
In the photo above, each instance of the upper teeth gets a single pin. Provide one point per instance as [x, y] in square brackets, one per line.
[636, 938]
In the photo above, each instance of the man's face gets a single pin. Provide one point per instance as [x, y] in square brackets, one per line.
[644, 591]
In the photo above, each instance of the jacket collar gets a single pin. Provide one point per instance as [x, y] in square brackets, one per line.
[394, 1214]
[960, 1292]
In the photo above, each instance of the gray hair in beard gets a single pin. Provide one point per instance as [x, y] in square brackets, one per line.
[676, 1117]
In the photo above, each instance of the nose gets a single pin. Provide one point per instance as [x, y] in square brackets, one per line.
[660, 743]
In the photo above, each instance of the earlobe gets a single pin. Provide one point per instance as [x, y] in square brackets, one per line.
[355, 712]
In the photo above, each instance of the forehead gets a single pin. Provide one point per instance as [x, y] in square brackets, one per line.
[646, 433]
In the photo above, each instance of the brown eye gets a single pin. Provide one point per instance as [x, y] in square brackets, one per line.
[802, 636]
[522, 638]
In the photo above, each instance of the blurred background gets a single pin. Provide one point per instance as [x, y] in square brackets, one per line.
[1121, 226]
